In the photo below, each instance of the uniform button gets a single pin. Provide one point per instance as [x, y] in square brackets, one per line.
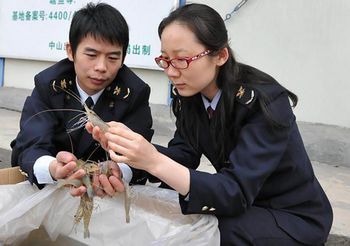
[205, 208]
[212, 209]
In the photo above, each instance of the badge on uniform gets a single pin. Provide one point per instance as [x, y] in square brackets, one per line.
[245, 95]
[120, 92]
[61, 85]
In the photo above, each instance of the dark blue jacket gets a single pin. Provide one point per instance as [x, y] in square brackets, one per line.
[267, 166]
[45, 132]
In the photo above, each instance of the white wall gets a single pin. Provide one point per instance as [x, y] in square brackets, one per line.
[305, 45]
[20, 74]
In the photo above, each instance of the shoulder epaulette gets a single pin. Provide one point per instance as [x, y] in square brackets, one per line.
[245, 95]
[61, 85]
[119, 92]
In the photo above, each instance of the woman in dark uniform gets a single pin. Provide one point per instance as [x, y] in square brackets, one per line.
[264, 191]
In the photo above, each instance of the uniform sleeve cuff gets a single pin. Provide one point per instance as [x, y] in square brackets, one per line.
[126, 171]
[41, 169]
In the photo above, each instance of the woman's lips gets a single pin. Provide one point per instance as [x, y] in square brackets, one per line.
[179, 86]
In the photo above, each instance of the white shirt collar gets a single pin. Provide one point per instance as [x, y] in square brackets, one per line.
[84, 95]
[213, 102]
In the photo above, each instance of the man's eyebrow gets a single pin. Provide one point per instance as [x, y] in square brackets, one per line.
[89, 49]
[117, 53]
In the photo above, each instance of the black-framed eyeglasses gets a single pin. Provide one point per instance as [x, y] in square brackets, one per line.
[179, 63]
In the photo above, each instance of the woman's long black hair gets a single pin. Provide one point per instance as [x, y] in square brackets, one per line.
[210, 30]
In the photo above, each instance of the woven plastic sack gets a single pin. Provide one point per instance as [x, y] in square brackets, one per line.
[155, 218]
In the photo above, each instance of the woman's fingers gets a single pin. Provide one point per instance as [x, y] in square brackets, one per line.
[122, 131]
[114, 124]
[120, 146]
[127, 144]
[118, 158]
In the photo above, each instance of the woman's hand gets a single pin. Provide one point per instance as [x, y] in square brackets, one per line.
[126, 146]
[129, 147]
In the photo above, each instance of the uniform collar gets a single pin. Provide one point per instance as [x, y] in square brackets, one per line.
[213, 102]
[84, 95]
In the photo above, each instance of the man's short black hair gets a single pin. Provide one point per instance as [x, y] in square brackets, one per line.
[101, 21]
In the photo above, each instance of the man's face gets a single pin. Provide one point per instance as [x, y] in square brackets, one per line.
[96, 63]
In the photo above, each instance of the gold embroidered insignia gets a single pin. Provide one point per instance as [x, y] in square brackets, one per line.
[240, 92]
[117, 91]
[63, 84]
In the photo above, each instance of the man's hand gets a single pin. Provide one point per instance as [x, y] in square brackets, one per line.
[104, 185]
[97, 134]
[63, 168]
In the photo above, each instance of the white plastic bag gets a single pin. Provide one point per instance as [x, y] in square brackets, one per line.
[156, 218]
[22, 209]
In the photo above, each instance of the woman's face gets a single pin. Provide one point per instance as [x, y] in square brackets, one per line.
[178, 41]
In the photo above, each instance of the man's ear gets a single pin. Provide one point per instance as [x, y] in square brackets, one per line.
[222, 56]
[69, 52]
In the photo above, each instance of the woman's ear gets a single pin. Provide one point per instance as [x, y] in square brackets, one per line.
[222, 56]
[69, 52]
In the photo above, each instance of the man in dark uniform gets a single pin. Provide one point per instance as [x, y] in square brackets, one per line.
[93, 74]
